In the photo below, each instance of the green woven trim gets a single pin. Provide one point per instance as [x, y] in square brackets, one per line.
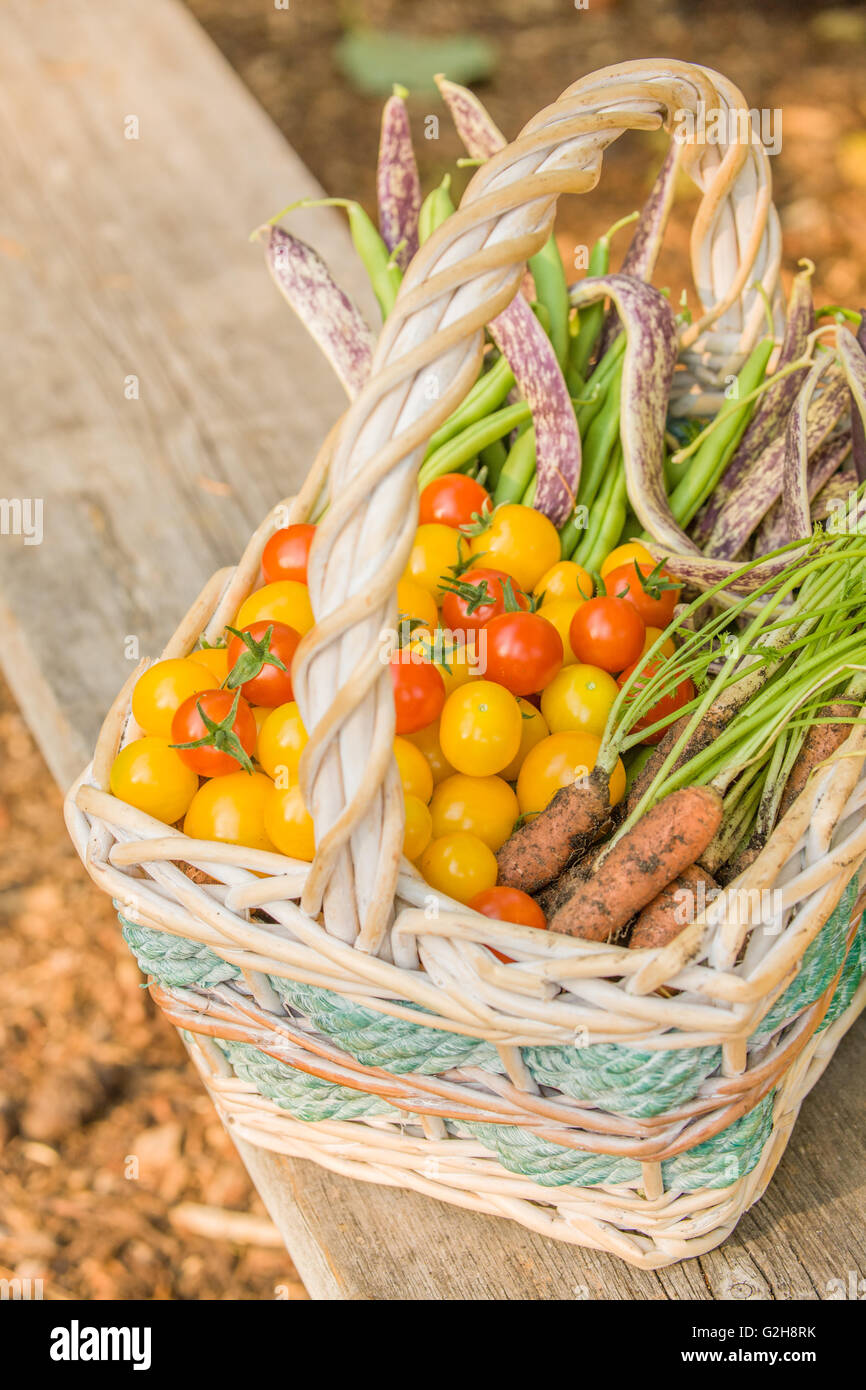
[852, 973]
[821, 962]
[305, 1097]
[718, 1162]
[624, 1080]
[378, 1040]
[175, 960]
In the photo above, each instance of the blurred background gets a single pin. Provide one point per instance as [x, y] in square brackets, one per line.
[90, 1072]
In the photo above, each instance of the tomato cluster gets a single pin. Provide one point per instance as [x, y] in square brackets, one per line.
[504, 674]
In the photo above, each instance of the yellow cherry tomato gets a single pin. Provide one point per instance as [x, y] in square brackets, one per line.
[285, 601]
[459, 865]
[415, 772]
[416, 604]
[436, 549]
[556, 762]
[560, 612]
[668, 646]
[567, 580]
[162, 689]
[149, 775]
[260, 714]
[485, 806]
[214, 659]
[282, 740]
[626, 555]
[457, 659]
[289, 823]
[579, 697]
[418, 829]
[480, 728]
[533, 728]
[231, 809]
[519, 540]
[428, 742]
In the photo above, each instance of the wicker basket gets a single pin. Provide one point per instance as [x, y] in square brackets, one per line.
[342, 1011]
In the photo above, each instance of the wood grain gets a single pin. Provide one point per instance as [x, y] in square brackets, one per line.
[129, 257]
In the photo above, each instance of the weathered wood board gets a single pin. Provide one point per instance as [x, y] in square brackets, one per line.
[127, 258]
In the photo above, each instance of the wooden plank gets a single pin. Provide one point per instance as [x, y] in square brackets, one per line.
[128, 258]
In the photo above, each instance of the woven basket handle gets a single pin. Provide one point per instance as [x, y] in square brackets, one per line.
[428, 355]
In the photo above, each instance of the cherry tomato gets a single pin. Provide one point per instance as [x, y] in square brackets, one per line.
[607, 632]
[564, 580]
[282, 740]
[260, 714]
[459, 865]
[419, 692]
[288, 823]
[508, 905]
[436, 550]
[266, 683]
[149, 775]
[652, 598]
[625, 555]
[427, 740]
[485, 806]
[533, 728]
[478, 596]
[285, 601]
[416, 604]
[480, 728]
[580, 697]
[215, 660]
[229, 745]
[287, 552]
[558, 761]
[415, 772]
[668, 646]
[560, 612]
[161, 690]
[524, 651]
[231, 809]
[452, 500]
[457, 657]
[519, 540]
[667, 706]
[418, 827]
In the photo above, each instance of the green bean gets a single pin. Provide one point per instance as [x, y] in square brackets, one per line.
[551, 290]
[435, 209]
[713, 456]
[598, 383]
[464, 446]
[493, 458]
[485, 396]
[601, 440]
[385, 275]
[606, 518]
[592, 317]
[570, 534]
[528, 498]
[518, 471]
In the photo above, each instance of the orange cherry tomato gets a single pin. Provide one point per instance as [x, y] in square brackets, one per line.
[419, 692]
[666, 707]
[227, 745]
[652, 592]
[452, 500]
[287, 553]
[607, 632]
[254, 653]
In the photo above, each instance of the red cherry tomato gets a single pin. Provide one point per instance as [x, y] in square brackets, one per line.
[508, 905]
[419, 692]
[227, 745]
[452, 500]
[286, 554]
[524, 652]
[666, 707]
[654, 598]
[263, 682]
[477, 596]
[607, 632]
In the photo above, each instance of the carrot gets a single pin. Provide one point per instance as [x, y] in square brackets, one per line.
[711, 726]
[538, 852]
[820, 743]
[666, 916]
[672, 835]
[551, 898]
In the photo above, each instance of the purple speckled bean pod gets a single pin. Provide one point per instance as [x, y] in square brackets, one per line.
[530, 355]
[325, 311]
[852, 354]
[772, 409]
[478, 131]
[799, 445]
[398, 187]
[837, 489]
[648, 367]
[642, 254]
[702, 571]
[762, 483]
[823, 463]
